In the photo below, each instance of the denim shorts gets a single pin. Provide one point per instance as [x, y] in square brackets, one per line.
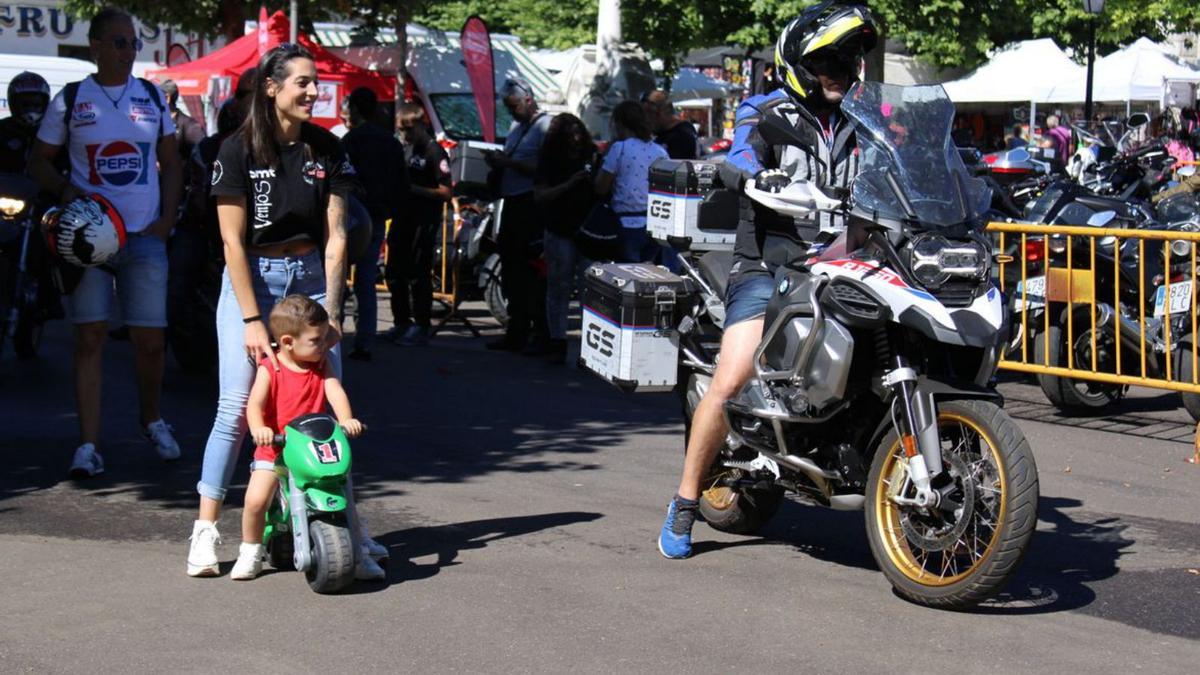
[747, 298]
[140, 273]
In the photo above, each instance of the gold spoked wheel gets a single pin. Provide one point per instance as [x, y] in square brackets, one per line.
[961, 551]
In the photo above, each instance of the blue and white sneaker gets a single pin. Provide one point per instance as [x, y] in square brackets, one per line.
[671, 544]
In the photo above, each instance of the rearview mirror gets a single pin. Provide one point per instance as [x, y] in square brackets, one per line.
[1138, 120]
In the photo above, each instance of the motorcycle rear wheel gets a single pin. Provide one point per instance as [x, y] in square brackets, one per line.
[739, 510]
[956, 561]
[493, 289]
[1065, 393]
[332, 567]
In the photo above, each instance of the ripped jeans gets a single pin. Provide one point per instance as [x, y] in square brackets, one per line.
[273, 279]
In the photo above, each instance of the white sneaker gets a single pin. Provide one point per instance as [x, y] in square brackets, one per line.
[159, 434]
[373, 549]
[249, 562]
[202, 554]
[368, 570]
[87, 462]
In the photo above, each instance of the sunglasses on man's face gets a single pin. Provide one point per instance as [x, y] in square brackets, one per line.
[121, 43]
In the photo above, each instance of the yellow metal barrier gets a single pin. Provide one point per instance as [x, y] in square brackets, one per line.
[1077, 290]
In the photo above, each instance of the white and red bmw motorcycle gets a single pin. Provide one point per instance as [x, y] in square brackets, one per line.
[873, 387]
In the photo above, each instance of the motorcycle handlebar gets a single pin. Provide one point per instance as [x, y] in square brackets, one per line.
[281, 439]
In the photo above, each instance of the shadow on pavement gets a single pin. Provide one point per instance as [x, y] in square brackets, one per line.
[446, 542]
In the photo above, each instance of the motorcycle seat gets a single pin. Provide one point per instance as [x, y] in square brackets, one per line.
[714, 267]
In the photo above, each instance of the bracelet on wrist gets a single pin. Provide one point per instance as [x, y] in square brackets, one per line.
[252, 319]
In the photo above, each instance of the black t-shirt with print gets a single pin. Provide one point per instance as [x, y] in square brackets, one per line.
[285, 203]
[428, 167]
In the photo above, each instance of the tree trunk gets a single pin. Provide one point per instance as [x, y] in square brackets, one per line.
[232, 15]
[874, 65]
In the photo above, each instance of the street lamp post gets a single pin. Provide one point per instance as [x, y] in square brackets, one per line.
[1093, 9]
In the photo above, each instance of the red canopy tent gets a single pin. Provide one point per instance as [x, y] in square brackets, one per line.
[338, 77]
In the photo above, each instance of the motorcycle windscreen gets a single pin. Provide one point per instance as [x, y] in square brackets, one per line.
[909, 168]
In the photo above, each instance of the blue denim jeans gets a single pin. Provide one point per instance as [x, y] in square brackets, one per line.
[140, 270]
[272, 279]
[366, 273]
[565, 268]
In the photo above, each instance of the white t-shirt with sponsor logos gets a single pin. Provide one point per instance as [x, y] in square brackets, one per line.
[113, 146]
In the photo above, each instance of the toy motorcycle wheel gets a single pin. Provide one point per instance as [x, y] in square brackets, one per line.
[281, 551]
[332, 566]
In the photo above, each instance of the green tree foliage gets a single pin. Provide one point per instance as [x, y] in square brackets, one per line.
[547, 24]
[941, 32]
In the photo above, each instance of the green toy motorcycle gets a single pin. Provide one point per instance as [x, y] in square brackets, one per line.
[313, 504]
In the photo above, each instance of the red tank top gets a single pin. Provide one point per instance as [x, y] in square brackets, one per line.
[294, 394]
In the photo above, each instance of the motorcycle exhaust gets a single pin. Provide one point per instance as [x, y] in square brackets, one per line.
[1130, 333]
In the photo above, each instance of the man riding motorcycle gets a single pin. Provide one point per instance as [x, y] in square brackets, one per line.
[817, 57]
[28, 98]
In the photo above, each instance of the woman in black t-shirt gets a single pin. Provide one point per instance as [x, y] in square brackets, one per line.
[563, 192]
[280, 183]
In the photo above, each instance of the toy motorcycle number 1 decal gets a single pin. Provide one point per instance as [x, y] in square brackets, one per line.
[327, 452]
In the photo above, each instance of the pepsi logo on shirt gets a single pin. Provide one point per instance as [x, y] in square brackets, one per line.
[118, 163]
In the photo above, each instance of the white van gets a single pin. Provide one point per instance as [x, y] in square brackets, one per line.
[57, 70]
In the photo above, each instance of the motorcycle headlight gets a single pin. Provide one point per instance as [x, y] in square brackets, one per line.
[11, 207]
[935, 260]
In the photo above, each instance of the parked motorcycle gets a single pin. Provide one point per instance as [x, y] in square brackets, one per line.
[873, 380]
[473, 252]
[22, 313]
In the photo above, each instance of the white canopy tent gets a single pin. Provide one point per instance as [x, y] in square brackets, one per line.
[1021, 71]
[1136, 73]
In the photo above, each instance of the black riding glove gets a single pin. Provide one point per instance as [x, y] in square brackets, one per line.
[772, 180]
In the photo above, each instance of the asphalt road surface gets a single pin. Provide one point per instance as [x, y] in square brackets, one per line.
[521, 502]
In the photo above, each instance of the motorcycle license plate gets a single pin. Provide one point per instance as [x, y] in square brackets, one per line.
[1031, 293]
[1181, 299]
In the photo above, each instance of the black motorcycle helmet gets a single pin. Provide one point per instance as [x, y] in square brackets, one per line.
[28, 97]
[840, 31]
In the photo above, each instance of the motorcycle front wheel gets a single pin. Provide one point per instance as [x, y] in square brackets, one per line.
[963, 552]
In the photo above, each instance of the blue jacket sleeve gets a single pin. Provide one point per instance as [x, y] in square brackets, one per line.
[743, 154]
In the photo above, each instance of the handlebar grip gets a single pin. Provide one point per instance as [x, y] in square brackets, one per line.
[280, 440]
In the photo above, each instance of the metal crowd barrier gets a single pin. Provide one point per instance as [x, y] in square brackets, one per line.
[1076, 289]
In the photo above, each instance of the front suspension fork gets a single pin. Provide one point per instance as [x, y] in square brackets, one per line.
[918, 429]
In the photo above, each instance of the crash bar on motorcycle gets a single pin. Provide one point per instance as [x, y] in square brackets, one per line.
[1075, 291]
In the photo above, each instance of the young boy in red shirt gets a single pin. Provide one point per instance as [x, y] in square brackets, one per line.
[300, 386]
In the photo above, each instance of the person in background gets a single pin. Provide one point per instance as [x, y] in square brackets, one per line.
[522, 222]
[1017, 140]
[1058, 138]
[675, 134]
[563, 188]
[121, 120]
[411, 241]
[28, 97]
[379, 160]
[188, 131]
[626, 175]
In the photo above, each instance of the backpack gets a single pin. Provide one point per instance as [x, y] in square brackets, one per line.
[71, 92]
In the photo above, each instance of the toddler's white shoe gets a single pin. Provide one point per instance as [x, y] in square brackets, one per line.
[249, 562]
[368, 570]
[202, 554]
[373, 549]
